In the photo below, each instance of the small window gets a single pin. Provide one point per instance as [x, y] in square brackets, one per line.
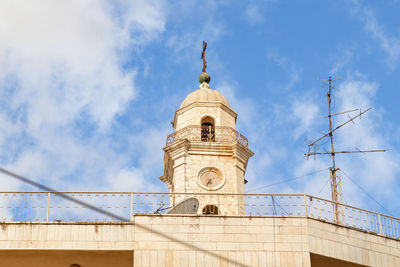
[207, 129]
[210, 210]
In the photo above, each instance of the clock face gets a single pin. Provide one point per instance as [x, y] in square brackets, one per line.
[210, 178]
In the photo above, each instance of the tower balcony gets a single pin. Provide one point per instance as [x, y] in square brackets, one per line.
[204, 133]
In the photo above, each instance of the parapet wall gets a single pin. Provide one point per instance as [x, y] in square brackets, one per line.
[168, 240]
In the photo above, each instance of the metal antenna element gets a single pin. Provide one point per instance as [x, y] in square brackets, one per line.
[336, 185]
[203, 56]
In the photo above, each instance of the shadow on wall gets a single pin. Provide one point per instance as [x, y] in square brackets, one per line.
[322, 261]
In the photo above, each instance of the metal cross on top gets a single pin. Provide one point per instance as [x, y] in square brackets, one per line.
[203, 56]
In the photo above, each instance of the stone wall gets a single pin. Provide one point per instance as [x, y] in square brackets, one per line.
[351, 245]
[209, 240]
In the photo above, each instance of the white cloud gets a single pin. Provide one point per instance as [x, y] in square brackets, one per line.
[389, 44]
[129, 179]
[141, 21]
[63, 83]
[64, 56]
[304, 113]
[344, 57]
[291, 68]
[187, 44]
[253, 14]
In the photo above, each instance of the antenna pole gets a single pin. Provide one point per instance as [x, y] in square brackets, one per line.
[336, 182]
[330, 121]
[336, 185]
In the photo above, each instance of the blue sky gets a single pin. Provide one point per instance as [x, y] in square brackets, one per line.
[88, 89]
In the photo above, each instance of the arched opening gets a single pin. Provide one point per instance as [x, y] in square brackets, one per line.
[207, 129]
[210, 210]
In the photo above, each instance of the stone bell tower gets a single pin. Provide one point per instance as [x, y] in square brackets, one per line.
[206, 154]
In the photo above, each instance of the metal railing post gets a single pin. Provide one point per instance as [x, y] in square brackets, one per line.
[305, 205]
[131, 212]
[48, 207]
[380, 224]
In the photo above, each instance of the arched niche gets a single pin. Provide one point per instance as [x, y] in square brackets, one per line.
[207, 129]
[210, 210]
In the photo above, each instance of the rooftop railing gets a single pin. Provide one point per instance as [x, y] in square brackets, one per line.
[207, 134]
[123, 206]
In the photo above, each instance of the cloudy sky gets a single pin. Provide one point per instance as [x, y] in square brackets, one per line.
[88, 89]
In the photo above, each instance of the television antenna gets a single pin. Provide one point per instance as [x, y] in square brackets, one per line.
[313, 148]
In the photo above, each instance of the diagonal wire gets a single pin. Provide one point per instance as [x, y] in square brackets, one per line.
[368, 194]
[322, 188]
[65, 196]
[286, 181]
[277, 204]
[112, 215]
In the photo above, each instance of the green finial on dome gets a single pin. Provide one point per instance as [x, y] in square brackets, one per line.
[204, 78]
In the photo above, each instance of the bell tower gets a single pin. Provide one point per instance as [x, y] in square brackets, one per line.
[206, 155]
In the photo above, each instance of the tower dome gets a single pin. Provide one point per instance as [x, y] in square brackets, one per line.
[204, 94]
[204, 104]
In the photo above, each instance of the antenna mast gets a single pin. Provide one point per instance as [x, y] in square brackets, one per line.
[336, 183]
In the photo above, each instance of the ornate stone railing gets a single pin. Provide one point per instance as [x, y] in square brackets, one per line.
[207, 134]
[123, 206]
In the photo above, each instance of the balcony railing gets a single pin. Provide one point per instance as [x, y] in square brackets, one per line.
[207, 133]
[122, 206]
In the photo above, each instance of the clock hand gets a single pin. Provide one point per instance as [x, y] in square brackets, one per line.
[209, 182]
